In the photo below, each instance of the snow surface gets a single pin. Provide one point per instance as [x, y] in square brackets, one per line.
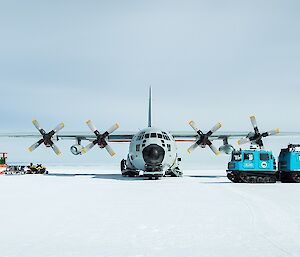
[104, 214]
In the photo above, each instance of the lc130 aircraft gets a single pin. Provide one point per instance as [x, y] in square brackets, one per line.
[152, 151]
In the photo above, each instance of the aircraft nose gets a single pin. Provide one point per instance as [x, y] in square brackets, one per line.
[153, 154]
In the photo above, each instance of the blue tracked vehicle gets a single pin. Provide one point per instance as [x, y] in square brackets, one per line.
[255, 165]
[289, 164]
[252, 166]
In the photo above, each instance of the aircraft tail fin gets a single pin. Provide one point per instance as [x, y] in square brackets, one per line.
[150, 108]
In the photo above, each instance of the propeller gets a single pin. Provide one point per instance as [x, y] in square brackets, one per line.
[256, 137]
[100, 138]
[46, 137]
[203, 139]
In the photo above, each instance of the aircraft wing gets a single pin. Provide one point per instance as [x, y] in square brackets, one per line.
[120, 137]
[181, 136]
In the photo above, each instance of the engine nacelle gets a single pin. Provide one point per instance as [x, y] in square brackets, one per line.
[227, 149]
[76, 149]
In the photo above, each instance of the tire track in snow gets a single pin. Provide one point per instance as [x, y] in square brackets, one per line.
[253, 219]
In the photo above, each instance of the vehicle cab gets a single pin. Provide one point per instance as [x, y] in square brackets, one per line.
[289, 158]
[252, 160]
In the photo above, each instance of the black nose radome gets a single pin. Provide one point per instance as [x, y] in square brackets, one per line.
[153, 154]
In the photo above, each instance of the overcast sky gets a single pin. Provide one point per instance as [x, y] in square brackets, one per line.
[206, 60]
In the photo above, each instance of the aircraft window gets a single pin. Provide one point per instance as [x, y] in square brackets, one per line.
[138, 148]
[144, 141]
[153, 134]
[169, 147]
[165, 137]
[248, 156]
[147, 135]
[164, 132]
[264, 157]
[163, 141]
[159, 135]
[165, 145]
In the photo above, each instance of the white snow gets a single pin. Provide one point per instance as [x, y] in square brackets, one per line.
[201, 214]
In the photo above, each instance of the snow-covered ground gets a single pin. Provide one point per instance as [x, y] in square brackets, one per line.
[104, 214]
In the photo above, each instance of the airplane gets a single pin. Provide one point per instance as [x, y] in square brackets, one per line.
[152, 151]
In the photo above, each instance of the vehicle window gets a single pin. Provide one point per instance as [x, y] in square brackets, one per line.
[159, 135]
[248, 156]
[264, 157]
[153, 134]
[169, 147]
[146, 135]
[138, 148]
[236, 157]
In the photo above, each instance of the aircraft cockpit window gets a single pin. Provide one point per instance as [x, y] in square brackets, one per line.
[140, 137]
[147, 135]
[153, 135]
[169, 147]
[138, 148]
[159, 135]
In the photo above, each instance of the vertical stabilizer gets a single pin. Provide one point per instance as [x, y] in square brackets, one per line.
[150, 108]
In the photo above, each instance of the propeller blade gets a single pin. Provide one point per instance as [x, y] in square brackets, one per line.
[253, 121]
[214, 149]
[113, 128]
[214, 129]
[193, 125]
[110, 150]
[87, 148]
[192, 147]
[36, 124]
[244, 140]
[273, 132]
[91, 125]
[59, 127]
[35, 145]
[55, 149]
[254, 124]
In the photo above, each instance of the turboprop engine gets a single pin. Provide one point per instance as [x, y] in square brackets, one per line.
[76, 149]
[227, 149]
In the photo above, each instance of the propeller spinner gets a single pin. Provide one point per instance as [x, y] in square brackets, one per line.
[100, 138]
[203, 139]
[256, 137]
[46, 137]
